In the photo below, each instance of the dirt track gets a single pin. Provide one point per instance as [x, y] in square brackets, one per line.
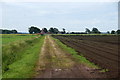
[56, 63]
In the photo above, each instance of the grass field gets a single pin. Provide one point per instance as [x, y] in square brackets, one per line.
[20, 54]
[8, 38]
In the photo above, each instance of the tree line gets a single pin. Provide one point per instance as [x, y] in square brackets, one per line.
[96, 31]
[8, 31]
[34, 30]
[52, 30]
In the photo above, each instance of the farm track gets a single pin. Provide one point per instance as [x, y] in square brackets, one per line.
[56, 63]
[105, 55]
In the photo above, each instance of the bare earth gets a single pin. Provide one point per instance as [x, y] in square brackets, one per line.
[56, 63]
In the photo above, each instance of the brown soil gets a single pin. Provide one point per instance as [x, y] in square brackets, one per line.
[101, 50]
[56, 63]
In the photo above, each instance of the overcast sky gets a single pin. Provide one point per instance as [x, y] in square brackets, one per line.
[73, 16]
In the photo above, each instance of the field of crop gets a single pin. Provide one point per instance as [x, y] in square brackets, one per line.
[19, 54]
[99, 49]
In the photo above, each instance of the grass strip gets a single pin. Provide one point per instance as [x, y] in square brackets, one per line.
[24, 67]
[14, 51]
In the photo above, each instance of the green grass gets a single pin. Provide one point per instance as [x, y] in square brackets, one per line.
[8, 38]
[79, 58]
[19, 59]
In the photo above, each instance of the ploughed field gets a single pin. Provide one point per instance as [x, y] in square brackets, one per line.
[99, 49]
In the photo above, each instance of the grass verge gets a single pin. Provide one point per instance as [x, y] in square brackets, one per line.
[24, 63]
[79, 58]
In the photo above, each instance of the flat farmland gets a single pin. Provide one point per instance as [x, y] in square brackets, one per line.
[100, 49]
[67, 56]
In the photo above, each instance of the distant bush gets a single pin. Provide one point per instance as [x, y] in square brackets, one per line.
[118, 31]
[112, 32]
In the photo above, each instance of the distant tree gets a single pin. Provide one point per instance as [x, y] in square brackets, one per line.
[51, 30]
[95, 31]
[72, 33]
[118, 31]
[88, 31]
[14, 31]
[56, 31]
[33, 29]
[108, 32]
[37, 30]
[8, 31]
[45, 30]
[78, 33]
[112, 32]
[64, 30]
[68, 33]
[0, 31]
